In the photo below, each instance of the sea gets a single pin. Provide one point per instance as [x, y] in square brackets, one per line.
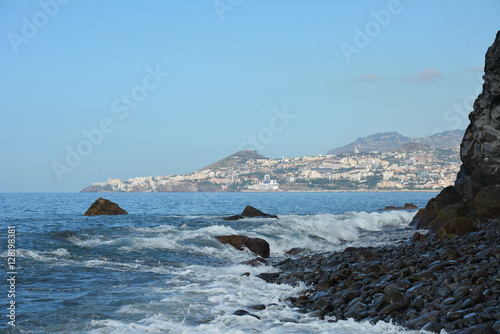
[159, 269]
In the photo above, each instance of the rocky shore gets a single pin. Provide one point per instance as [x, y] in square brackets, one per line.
[429, 283]
[446, 278]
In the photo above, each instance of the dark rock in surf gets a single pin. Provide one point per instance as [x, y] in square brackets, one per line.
[257, 262]
[104, 207]
[407, 206]
[65, 236]
[245, 312]
[268, 277]
[250, 212]
[256, 245]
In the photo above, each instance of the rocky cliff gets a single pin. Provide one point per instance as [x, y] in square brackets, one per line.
[479, 179]
[476, 194]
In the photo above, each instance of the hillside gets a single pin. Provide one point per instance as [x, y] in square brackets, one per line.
[235, 159]
[391, 141]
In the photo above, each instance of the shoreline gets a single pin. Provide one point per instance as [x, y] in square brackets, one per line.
[426, 283]
[262, 192]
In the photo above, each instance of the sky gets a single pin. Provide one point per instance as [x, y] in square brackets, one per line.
[91, 90]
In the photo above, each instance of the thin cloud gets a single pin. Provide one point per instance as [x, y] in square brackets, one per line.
[427, 75]
[369, 77]
[476, 69]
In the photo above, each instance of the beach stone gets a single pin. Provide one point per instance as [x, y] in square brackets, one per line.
[257, 262]
[418, 237]
[268, 277]
[256, 245]
[250, 212]
[392, 301]
[104, 207]
[433, 327]
[295, 251]
[421, 321]
[245, 312]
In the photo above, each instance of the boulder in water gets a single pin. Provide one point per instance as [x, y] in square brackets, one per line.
[104, 207]
[256, 245]
[250, 212]
[407, 206]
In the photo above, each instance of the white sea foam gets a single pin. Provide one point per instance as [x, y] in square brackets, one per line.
[208, 303]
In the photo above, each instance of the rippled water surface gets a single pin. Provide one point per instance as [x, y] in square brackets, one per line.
[159, 269]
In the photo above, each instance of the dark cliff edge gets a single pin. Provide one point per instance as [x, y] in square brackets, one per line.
[446, 277]
[476, 194]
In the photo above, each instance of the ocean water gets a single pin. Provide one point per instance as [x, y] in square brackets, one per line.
[159, 268]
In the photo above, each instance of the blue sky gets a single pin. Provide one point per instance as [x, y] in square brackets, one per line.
[97, 89]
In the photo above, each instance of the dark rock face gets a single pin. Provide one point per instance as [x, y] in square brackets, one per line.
[477, 187]
[256, 245]
[104, 207]
[250, 212]
[478, 181]
[424, 217]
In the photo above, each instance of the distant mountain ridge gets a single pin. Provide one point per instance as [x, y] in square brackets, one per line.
[392, 141]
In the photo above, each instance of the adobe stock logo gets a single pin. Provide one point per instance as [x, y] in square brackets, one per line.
[266, 135]
[363, 37]
[223, 6]
[95, 137]
[31, 26]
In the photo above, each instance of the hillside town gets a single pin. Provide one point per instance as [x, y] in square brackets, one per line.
[248, 171]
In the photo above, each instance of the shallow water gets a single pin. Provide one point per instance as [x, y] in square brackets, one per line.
[160, 270]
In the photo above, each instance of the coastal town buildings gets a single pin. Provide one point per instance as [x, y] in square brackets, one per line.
[429, 169]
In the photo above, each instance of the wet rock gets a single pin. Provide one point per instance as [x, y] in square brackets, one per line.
[66, 236]
[421, 321]
[257, 262]
[407, 206]
[392, 301]
[433, 327]
[423, 276]
[295, 251]
[323, 305]
[245, 312]
[104, 207]
[268, 277]
[424, 217]
[452, 221]
[256, 245]
[250, 212]
[418, 237]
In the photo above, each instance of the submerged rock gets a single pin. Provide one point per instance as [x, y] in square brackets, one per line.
[65, 236]
[407, 206]
[104, 207]
[256, 245]
[250, 212]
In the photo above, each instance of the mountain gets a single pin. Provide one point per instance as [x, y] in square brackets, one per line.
[235, 159]
[391, 141]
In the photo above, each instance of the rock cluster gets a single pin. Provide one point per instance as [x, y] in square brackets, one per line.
[451, 284]
[407, 206]
[104, 207]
